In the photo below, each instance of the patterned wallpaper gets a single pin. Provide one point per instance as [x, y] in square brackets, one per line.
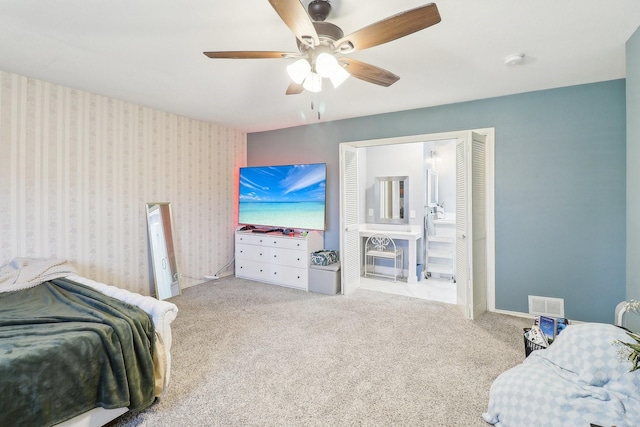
[76, 170]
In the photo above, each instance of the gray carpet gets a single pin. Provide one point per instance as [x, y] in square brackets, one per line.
[252, 354]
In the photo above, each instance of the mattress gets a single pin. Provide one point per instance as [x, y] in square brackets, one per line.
[154, 335]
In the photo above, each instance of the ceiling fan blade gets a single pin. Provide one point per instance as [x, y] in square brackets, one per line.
[390, 29]
[293, 13]
[369, 73]
[248, 54]
[294, 89]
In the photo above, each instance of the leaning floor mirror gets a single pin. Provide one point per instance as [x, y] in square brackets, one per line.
[163, 259]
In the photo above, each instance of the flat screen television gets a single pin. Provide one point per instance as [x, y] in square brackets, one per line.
[283, 196]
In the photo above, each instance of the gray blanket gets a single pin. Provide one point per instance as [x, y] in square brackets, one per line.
[66, 348]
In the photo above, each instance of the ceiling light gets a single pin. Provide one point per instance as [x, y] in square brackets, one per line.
[514, 59]
[313, 82]
[339, 76]
[299, 70]
[326, 64]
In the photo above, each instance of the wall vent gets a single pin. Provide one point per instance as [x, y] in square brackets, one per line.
[546, 306]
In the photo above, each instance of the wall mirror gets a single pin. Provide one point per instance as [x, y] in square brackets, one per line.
[392, 199]
[432, 188]
[163, 259]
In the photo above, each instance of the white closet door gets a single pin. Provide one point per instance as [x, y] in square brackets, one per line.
[479, 219]
[471, 230]
[462, 228]
[349, 235]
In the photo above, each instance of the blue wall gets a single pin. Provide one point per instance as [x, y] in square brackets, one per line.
[560, 186]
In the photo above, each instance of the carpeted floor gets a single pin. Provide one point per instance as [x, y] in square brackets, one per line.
[252, 354]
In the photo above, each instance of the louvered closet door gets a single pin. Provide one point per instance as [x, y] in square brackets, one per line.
[462, 228]
[349, 234]
[479, 219]
[471, 230]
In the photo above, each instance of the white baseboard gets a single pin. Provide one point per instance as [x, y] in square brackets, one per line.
[530, 316]
[514, 313]
[188, 282]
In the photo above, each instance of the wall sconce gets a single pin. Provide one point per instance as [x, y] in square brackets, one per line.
[434, 158]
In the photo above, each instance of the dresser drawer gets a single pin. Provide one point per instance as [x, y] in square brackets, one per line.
[288, 243]
[289, 257]
[289, 276]
[253, 239]
[252, 252]
[252, 270]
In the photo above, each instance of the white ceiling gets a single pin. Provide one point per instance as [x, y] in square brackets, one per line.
[149, 52]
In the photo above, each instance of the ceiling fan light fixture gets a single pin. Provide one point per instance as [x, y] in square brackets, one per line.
[326, 64]
[339, 76]
[299, 70]
[313, 82]
[315, 36]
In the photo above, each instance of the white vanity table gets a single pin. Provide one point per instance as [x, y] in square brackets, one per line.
[410, 233]
[389, 214]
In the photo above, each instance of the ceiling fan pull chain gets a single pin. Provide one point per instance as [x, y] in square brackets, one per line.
[313, 104]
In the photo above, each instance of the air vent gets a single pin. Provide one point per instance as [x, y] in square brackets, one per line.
[546, 306]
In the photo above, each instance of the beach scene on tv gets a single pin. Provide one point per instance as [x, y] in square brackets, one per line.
[291, 196]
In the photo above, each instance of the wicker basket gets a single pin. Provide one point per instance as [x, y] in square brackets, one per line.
[529, 345]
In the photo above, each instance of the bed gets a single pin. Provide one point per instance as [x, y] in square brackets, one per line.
[583, 379]
[76, 352]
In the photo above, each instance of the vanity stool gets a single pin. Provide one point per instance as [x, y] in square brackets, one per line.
[381, 246]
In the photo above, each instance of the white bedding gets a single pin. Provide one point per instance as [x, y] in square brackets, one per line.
[22, 273]
[580, 379]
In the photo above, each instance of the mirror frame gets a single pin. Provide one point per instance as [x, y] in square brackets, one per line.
[404, 206]
[160, 258]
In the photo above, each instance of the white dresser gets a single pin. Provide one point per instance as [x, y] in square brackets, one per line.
[276, 258]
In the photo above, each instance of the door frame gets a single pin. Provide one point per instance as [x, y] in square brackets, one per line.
[490, 188]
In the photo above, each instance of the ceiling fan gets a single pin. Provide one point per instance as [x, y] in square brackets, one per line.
[321, 45]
